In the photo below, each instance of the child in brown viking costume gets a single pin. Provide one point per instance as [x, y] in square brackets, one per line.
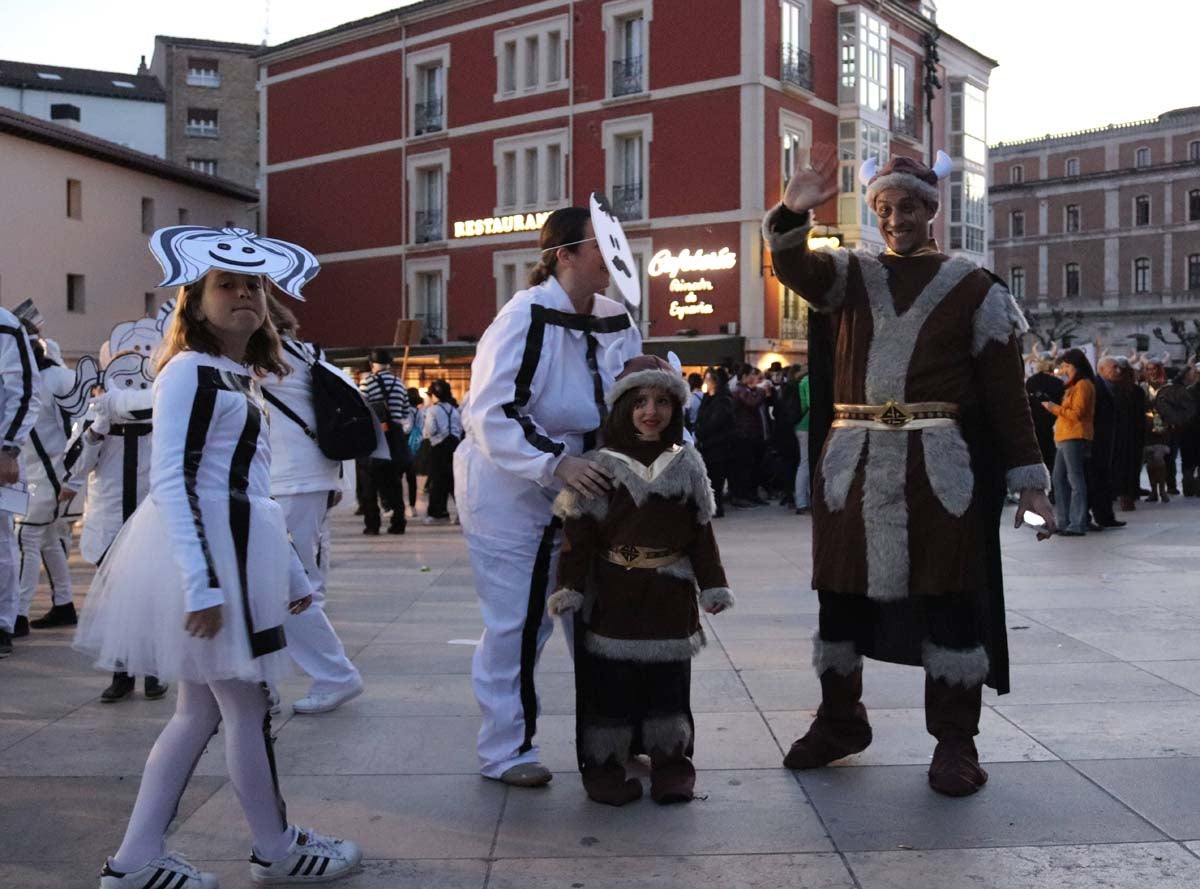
[930, 424]
[636, 566]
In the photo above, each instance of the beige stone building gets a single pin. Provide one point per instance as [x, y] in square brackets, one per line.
[212, 105]
[76, 213]
[1103, 222]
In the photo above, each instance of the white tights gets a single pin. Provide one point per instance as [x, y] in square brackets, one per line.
[199, 710]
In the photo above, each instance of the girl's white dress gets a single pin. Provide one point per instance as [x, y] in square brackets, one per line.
[208, 534]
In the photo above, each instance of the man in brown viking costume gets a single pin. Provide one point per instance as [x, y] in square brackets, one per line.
[930, 424]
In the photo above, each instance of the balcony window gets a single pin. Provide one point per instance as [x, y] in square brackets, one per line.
[796, 60]
[1141, 275]
[1016, 224]
[863, 39]
[428, 218]
[1142, 158]
[1141, 210]
[904, 111]
[427, 304]
[428, 109]
[793, 315]
[203, 72]
[1016, 282]
[1071, 167]
[1194, 150]
[795, 155]
[1193, 271]
[627, 67]
[1194, 205]
[1016, 174]
[1071, 282]
[202, 122]
[204, 165]
[968, 122]
[1071, 220]
[968, 209]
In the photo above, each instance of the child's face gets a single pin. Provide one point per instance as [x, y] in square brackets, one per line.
[652, 411]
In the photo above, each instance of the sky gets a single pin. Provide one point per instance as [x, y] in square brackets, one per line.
[1064, 64]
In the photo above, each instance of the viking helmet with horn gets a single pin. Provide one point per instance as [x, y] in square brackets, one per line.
[907, 174]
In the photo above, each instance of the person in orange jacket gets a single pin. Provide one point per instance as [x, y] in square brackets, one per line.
[1074, 429]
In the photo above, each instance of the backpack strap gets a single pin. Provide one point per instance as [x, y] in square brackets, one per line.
[289, 413]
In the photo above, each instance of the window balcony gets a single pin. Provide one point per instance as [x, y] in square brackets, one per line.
[428, 117]
[203, 130]
[627, 201]
[905, 124]
[793, 328]
[209, 79]
[627, 76]
[428, 226]
[796, 67]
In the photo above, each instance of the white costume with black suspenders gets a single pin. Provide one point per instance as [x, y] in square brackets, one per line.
[537, 394]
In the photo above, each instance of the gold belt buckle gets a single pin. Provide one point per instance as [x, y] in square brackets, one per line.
[894, 415]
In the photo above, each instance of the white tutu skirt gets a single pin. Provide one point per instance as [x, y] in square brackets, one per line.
[134, 614]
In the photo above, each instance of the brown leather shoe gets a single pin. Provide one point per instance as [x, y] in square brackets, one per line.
[841, 727]
[955, 770]
[672, 780]
[607, 784]
[952, 716]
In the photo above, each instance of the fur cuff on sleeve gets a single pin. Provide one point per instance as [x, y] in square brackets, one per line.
[1033, 476]
[564, 601]
[717, 595]
[784, 239]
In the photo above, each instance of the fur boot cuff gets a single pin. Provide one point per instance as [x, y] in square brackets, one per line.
[717, 595]
[564, 601]
[966, 668]
[841, 657]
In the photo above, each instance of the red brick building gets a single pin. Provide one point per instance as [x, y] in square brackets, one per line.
[416, 152]
[1104, 222]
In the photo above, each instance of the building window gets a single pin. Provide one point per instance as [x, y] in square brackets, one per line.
[1142, 158]
[1194, 205]
[427, 195]
[75, 295]
[427, 115]
[1194, 150]
[530, 171]
[1016, 174]
[427, 304]
[627, 157]
[183, 216]
[1016, 282]
[1193, 271]
[149, 305]
[1141, 275]
[202, 122]
[203, 72]
[1071, 220]
[795, 58]
[147, 216]
[1071, 279]
[864, 59]
[968, 211]
[205, 165]
[1016, 224]
[627, 40]
[1141, 210]
[530, 58]
[968, 122]
[511, 271]
[795, 155]
[858, 141]
[1071, 167]
[74, 199]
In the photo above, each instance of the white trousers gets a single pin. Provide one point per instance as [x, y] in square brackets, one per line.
[42, 544]
[803, 498]
[10, 593]
[311, 639]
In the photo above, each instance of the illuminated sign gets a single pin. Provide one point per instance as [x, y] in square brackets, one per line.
[664, 262]
[500, 225]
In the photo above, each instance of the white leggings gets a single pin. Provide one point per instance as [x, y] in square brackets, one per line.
[199, 710]
[42, 545]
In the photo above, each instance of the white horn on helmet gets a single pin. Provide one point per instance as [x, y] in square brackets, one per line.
[867, 171]
[943, 165]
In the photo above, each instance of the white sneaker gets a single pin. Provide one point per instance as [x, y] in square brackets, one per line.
[312, 858]
[171, 871]
[323, 702]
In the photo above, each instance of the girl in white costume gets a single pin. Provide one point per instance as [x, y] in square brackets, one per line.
[306, 484]
[179, 595]
[538, 381]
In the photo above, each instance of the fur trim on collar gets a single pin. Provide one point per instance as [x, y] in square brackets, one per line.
[683, 477]
[672, 383]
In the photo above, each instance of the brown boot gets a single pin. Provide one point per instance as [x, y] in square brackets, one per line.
[841, 726]
[672, 779]
[607, 784]
[952, 716]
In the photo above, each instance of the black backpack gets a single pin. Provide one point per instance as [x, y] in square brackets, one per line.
[345, 423]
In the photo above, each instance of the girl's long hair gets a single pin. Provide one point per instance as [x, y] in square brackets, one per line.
[1078, 360]
[565, 226]
[186, 333]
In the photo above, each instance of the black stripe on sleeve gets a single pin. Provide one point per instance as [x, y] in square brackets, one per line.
[522, 390]
[193, 450]
[26, 380]
[47, 464]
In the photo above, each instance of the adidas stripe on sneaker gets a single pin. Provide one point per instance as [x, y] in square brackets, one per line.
[312, 858]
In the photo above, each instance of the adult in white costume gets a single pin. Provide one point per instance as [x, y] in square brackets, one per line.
[537, 398]
[20, 402]
[306, 484]
[179, 594]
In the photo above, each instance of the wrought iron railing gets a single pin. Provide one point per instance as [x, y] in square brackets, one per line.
[796, 66]
[428, 226]
[627, 76]
[905, 124]
[627, 201]
[428, 117]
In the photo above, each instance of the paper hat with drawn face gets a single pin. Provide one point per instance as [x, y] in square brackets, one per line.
[188, 252]
[906, 174]
[29, 316]
[615, 249]
[128, 370]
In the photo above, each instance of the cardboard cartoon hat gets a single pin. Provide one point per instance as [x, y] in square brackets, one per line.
[188, 252]
[907, 174]
[648, 370]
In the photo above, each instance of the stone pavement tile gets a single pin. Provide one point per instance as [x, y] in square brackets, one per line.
[375, 874]
[14, 729]
[1036, 644]
[814, 870]
[900, 738]
[1026, 596]
[1185, 674]
[1128, 730]
[438, 694]
[1082, 683]
[1163, 791]
[384, 745]
[745, 812]
[1035, 803]
[76, 820]
[885, 686]
[1092, 619]
[777, 625]
[1148, 645]
[100, 739]
[49, 697]
[390, 817]
[403, 658]
[780, 654]
[1119, 866]
[405, 631]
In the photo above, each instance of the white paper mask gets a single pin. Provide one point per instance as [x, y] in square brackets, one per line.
[128, 370]
[142, 336]
[615, 249]
[187, 252]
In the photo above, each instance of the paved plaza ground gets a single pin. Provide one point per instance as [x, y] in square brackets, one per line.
[1094, 757]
